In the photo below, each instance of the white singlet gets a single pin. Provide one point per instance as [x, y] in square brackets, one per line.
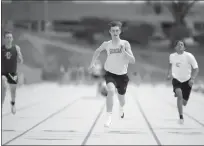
[116, 61]
[182, 65]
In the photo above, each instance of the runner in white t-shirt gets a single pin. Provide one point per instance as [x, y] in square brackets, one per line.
[119, 55]
[183, 68]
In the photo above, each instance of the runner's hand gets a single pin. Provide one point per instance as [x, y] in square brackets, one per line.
[191, 82]
[169, 77]
[90, 68]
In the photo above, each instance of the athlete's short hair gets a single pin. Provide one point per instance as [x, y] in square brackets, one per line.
[115, 23]
[7, 32]
[177, 41]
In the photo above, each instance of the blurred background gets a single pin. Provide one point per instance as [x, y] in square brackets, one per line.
[60, 36]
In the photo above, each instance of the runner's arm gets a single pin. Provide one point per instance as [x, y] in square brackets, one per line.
[194, 64]
[129, 53]
[97, 53]
[169, 68]
[20, 56]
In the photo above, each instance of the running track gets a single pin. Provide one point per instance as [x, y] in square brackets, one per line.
[49, 114]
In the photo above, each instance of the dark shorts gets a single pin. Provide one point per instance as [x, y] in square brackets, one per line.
[184, 86]
[120, 81]
[96, 76]
[12, 78]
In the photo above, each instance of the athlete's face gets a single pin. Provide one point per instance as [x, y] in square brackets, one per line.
[115, 31]
[180, 47]
[8, 38]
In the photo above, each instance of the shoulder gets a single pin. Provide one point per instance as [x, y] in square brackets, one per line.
[17, 48]
[172, 55]
[125, 42]
[2, 47]
[105, 43]
[189, 55]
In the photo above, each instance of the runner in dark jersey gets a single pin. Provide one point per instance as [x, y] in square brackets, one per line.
[10, 55]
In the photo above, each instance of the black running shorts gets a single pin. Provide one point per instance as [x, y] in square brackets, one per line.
[120, 81]
[96, 76]
[12, 78]
[184, 86]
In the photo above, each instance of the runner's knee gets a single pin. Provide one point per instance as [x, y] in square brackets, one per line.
[121, 99]
[122, 90]
[178, 92]
[111, 89]
[185, 102]
[4, 80]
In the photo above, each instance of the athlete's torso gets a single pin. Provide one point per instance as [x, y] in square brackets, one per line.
[181, 66]
[9, 59]
[116, 62]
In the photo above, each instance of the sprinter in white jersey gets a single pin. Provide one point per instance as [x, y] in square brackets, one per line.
[119, 55]
[183, 68]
